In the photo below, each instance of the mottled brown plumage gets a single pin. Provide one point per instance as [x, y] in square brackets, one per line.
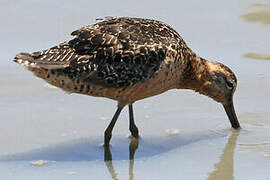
[128, 59]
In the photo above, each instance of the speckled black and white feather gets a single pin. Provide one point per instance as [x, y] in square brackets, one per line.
[116, 52]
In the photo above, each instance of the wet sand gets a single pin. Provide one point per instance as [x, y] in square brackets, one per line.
[184, 135]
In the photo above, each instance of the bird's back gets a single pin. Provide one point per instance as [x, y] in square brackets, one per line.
[117, 53]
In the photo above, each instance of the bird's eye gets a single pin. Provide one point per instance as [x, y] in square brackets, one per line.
[229, 85]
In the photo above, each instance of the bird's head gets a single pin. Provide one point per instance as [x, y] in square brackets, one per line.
[219, 83]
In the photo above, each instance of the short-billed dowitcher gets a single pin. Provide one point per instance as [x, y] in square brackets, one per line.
[128, 59]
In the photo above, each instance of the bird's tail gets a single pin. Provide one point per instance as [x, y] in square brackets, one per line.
[57, 57]
[26, 60]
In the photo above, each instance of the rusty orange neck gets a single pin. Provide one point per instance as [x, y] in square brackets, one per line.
[194, 74]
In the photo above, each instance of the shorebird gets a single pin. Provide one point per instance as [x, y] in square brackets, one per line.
[129, 59]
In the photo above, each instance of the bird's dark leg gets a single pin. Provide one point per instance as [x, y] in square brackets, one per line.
[108, 131]
[132, 127]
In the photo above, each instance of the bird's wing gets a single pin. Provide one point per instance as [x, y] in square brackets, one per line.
[118, 52]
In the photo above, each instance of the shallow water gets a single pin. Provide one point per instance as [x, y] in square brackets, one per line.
[183, 134]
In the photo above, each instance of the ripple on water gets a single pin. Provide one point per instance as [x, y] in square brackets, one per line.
[257, 56]
[258, 13]
[256, 136]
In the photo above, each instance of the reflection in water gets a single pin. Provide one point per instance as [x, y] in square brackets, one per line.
[224, 168]
[133, 145]
[88, 150]
[261, 15]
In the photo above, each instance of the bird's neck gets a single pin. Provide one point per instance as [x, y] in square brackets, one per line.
[195, 73]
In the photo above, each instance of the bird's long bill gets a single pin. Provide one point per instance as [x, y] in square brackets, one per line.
[229, 108]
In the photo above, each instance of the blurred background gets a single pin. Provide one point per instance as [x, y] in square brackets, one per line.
[183, 134]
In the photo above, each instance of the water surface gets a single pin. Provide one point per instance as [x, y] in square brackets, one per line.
[184, 135]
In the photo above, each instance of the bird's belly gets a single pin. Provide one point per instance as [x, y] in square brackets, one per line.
[73, 85]
[146, 89]
[151, 87]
